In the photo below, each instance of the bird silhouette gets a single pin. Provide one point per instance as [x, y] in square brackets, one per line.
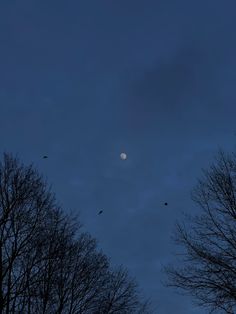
[101, 211]
[44, 157]
[166, 204]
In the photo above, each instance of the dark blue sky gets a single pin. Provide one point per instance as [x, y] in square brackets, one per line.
[82, 81]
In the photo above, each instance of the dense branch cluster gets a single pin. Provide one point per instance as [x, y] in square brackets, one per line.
[47, 264]
[209, 268]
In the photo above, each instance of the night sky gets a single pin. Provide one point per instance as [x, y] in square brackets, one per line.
[83, 81]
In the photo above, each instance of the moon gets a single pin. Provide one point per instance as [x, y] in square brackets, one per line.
[123, 156]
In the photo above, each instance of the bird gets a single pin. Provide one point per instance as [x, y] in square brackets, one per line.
[101, 211]
[166, 204]
[44, 157]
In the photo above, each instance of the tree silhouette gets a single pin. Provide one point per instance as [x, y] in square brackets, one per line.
[120, 295]
[47, 264]
[208, 270]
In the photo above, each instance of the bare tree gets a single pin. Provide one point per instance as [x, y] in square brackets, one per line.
[47, 265]
[208, 271]
[80, 277]
[121, 295]
[24, 202]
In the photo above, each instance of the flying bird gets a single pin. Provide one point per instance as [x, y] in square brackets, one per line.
[101, 211]
[166, 204]
[44, 157]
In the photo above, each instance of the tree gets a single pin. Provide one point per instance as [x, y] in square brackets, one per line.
[47, 264]
[24, 203]
[120, 295]
[208, 271]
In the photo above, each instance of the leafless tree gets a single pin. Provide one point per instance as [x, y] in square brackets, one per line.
[47, 265]
[24, 203]
[208, 270]
[120, 295]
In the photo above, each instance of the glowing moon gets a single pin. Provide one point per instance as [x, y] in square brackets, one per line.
[123, 156]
